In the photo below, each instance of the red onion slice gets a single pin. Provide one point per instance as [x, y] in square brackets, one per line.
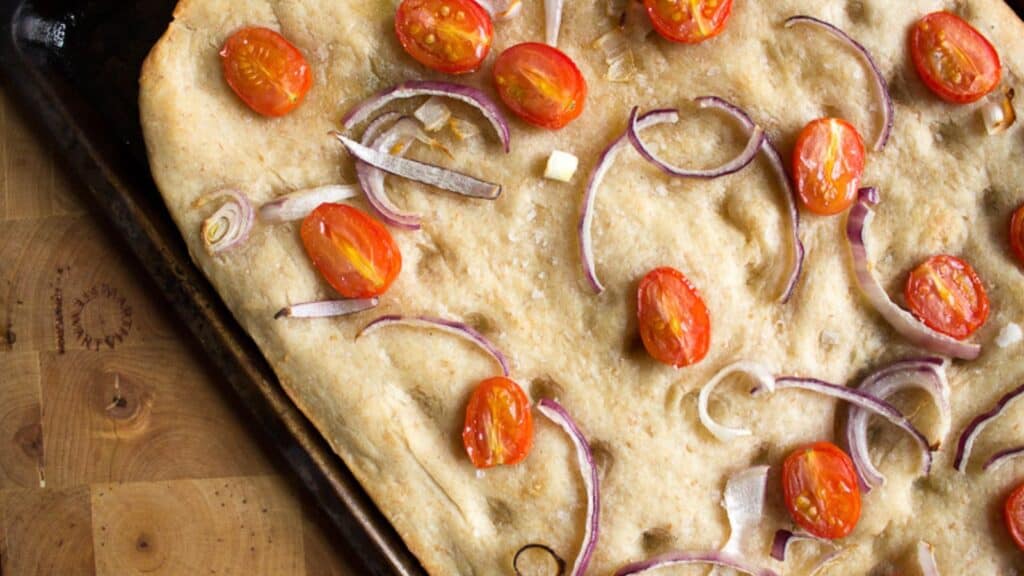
[414, 88]
[731, 167]
[926, 559]
[743, 501]
[604, 163]
[420, 172]
[902, 321]
[297, 205]
[395, 140]
[229, 226]
[552, 21]
[327, 308]
[559, 562]
[588, 469]
[783, 538]
[881, 87]
[966, 441]
[714, 558]
[928, 374]
[863, 400]
[762, 375]
[789, 197]
[1001, 457]
[453, 327]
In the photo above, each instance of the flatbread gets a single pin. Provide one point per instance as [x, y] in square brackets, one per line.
[391, 404]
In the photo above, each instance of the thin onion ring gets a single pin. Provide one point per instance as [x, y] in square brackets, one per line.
[741, 161]
[902, 321]
[604, 163]
[881, 86]
[724, 433]
[591, 481]
[965, 444]
[453, 327]
[789, 197]
[327, 308]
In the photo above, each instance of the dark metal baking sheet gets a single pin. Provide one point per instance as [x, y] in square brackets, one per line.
[74, 67]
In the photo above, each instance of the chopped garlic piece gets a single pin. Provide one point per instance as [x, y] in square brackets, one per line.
[998, 112]
[1010, 335]
[561, 166]
[433, 114]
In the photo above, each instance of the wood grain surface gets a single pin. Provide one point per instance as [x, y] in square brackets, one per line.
[120, 454]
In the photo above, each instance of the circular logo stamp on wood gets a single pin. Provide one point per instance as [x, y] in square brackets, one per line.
[101, 317]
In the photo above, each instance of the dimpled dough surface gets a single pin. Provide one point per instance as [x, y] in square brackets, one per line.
[391, 404]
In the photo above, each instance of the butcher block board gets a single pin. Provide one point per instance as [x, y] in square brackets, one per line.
[119, 452]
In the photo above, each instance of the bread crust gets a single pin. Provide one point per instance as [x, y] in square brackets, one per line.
[391, 404]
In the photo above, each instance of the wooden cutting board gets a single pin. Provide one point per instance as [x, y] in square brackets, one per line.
[119, 454]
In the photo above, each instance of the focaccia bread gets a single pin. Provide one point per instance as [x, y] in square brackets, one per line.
[392, 403]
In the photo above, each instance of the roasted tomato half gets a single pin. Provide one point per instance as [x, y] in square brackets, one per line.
[688, 21]
[451, 36]
[819, 485]
[947, 295]
[1013, 515]
[499, 424]
[828, 162]
[1017, 234]
[269, 74]
[953, 59]
[540, 84]
[674, 322]
[353, 252]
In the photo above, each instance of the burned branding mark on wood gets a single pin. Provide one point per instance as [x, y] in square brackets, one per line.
[101, 316]
[58, 308]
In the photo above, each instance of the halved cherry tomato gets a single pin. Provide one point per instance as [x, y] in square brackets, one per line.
[828, 161]
[354, 253]
[451, 36]
[540, 84]
[820, 488]
[946, 294]
[1013, 514]
[688, 21]
[953, 59]
[499, 425]
[1017, 234]
[269, 74]
[674, 322]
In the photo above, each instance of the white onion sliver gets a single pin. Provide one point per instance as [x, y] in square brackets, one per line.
[297, 205]
[436, 176]
[783, 539]
[789, 196]
[453, 327]
[928, 374]
[881, 86]
[926, 559]
[327, 308]
[552, 21]
[760, 373]
[743, 501]
[902, 321]
[731, 167]
[433, 114]
[591, 481]
[604, 164]
[965, 444]
[714, 558]
[395, 140]
[229, 226]
[501, 9]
